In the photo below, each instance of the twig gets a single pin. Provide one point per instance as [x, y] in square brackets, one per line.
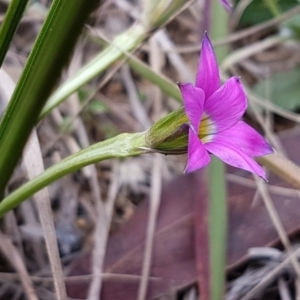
[281, 166]
[102, 231]
[80, 278]
[270, 277]
[34, 165]
[30, 218]
[283, 289]
[175, 58]
[155, 189]
[250, 50]
[277, 222]
[278, 190]
[154, 206]
[15, 259]
[272, 107]
[137, 107]
[243, 33]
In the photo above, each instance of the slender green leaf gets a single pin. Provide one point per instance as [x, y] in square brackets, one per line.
[217, 185]
[153, 17]
[217, 227]
[49, 55]
[11, 21]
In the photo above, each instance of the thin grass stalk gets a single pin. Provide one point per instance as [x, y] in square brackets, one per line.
[217, 184]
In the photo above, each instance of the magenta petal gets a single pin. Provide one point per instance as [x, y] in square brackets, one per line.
[227, 105]
[208, 78]
[193, 99]
[235, 157]
[227, 5]
[197, 155]
[245, 138]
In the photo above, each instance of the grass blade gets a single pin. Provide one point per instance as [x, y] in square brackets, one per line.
[153, 17]
[8, 27]
[34, 165]
[217, 184]
[42, 71]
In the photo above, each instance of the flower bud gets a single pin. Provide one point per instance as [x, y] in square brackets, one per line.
[169, 135]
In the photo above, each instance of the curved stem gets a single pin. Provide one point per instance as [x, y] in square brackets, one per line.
[121, 146]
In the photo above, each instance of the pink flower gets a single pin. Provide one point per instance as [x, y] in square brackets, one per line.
[227, 5]
[215, 114]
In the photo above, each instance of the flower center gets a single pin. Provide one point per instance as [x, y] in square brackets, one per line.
[207, 129]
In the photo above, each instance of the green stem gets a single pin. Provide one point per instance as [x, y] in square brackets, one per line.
[164, 83]
[156, 13]
[49, 55]
[125, 42]
[121, 146]
[217, 185]
[11, 21]
[217, 227]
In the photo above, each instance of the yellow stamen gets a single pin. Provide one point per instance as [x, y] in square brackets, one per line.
[207, 129]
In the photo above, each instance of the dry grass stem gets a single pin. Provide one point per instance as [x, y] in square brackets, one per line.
[235, 36]
[271, 136]
[30, 219]
[272, 107]
[153, 211]
[281, 166]
[156, 184]
[284, 290]
[248, 51]
[34, 166]
[33, 162]
[13, 256]
[183, 72]
[266, 280]
[136, 105]
[278, 190]
[80, 278]
[104, 212]
[277, 222]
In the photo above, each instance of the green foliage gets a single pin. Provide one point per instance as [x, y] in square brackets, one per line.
[258, 11]
[282, 89]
